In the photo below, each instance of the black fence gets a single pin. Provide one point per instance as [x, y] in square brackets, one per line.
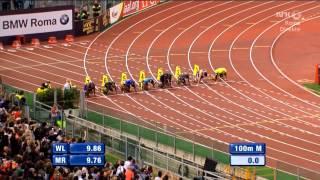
[89, 26]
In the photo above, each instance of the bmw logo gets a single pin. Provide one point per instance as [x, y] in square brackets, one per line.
[64, 19]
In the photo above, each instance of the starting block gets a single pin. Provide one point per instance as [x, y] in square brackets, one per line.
[123, 77]
[177, 72]
[142, 76]
[196, 69]
[104, 80]
[159, 74]
[87, 79]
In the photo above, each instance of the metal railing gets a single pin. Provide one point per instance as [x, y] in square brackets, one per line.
[195, 146]
[127, 145]
[114, 120]
[185, 143]
[78, 4]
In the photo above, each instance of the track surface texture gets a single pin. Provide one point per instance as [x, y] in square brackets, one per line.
[262, 101]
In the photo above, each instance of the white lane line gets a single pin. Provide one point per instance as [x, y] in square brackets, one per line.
[198, 52]
[231, 63]
[262, 46]
[160, 56]
[117, 38]
[219, 50]
[240, 48]
[177, 54]
[190, 67]
[272, 59]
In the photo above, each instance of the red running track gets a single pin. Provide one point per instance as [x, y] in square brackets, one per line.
[261, 102]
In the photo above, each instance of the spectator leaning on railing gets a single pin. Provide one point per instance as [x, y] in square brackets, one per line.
[127, 163]
[159, 176]
[67, 85]
[20, 100]
[77, 14]
[84, 15]
[96, 7]
[54, 113]
[25, 151]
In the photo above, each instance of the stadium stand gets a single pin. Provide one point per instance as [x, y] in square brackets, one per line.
[25, 144]
[25, 150]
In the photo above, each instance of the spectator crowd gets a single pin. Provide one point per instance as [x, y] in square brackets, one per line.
[25, 151]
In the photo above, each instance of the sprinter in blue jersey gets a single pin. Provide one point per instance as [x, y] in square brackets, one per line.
[127, 85]
[146, 82]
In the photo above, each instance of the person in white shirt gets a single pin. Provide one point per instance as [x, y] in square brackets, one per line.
[128, 163]
[120, 170]
[67, 85]
[159, 176]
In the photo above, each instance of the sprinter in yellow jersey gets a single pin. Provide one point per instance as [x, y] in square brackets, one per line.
[221, 73]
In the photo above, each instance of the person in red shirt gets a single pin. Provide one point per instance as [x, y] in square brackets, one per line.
[129, 173]
[54, 114]
[16, 113]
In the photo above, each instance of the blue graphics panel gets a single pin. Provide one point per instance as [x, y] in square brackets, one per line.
[87, 148]
[247, 154]
[86, 160]
[60, 160]
[60, 148]
[247, 160]
[78, 154]
[247, 148]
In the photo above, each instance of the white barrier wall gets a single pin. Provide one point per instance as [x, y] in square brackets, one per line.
[33, 23]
